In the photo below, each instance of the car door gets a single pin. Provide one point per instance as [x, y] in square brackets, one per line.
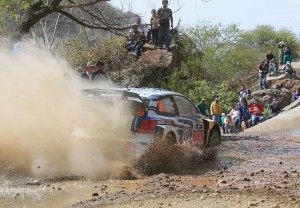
[188, 115]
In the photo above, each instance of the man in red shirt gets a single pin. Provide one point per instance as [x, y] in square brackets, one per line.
[256, 110]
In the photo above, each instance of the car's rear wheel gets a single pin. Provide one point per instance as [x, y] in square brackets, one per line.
[214, 138]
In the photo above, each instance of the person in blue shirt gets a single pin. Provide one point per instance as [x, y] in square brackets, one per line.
[297, 94]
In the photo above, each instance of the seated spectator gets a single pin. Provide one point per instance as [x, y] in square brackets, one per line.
[243, 112]
[297, 94]
[135, 41]
[256, 110]
[289, 71]
[229, 125]
[235, 115]
[223, 116]
[274, 108]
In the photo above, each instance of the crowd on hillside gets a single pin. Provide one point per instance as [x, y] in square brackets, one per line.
[248, 110]
[156, 33]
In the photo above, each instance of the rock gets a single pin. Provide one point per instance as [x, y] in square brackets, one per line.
[95, 194]
[35, 183]
[265, 96]
[194, 191]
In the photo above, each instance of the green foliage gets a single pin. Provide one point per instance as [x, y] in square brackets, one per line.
[267, 111]
[109, 50]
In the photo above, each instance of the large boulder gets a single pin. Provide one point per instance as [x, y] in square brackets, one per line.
[265, 96]
[151, 67]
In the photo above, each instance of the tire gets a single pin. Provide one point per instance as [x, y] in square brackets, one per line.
[170, 138]
[214, 138]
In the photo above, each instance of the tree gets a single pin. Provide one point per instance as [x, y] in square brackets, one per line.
[94, 14]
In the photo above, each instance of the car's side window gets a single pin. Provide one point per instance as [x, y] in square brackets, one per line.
[185, 107]
[166, 106]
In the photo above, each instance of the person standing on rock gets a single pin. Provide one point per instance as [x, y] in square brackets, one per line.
[244, 92]
[165, 16]
[263, 71]
[216, 110]
[287, 54]
[154, 28]
[256, 110]
[243, 112]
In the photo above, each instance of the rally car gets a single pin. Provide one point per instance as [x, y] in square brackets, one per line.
[135, 117]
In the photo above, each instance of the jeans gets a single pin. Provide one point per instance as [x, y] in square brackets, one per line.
[231, 128]
[256, 118]
[164, 36]
[216, 118]
[136, 47]
[154, 37]
[263, 81]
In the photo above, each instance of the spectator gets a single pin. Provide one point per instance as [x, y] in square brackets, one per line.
[287, 54]
[216, 110]
[203, 107]
[243, 112]
[229, 125]
[223, 122]
[244, 92]
[256, 110]
[269, 56]
[165, 15]
[275, 109]
[154, 28]
[99, 71]
[263, 71]
[88, 75]
[281, 45]
[288, 71]
[235, 115]
[135, 41]
[297, 94]
[273, 68]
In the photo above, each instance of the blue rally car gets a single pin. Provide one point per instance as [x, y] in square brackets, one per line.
[135, 117]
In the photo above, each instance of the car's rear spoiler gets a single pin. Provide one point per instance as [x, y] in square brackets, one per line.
[110, 94]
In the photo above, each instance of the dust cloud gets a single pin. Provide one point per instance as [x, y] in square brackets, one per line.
[39, 101]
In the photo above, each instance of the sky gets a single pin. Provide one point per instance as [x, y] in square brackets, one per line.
[247, 14]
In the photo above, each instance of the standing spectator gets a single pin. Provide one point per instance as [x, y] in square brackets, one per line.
[243, 112]
[223, 117]
[88, 75]
[203, 107]
[297, 94]
[235, 115]
[165, 15]
[263, 71]
[273, 68]
[99, 71]
[256, 110]
[154, 28]
[287, 54]
[281, 45]
[216, 110]
[229, 125]
[269, 56]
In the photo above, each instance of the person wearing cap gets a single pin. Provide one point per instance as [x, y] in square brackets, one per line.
[216, 110]
[88, 75]
[203, 107]
[165, 16]
[256, 110]
[229, 125]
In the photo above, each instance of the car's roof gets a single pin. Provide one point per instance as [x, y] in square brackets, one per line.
[150, 92]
